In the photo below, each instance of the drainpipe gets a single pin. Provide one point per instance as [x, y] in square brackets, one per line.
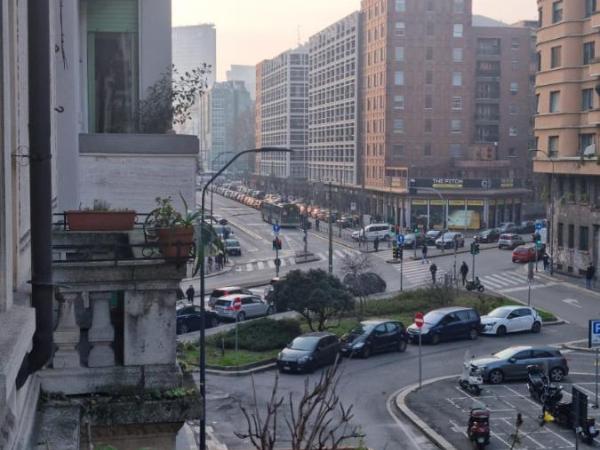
[40, 186]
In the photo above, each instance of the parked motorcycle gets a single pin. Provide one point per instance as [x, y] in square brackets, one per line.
[471, 377]
[540, 388]
[478, 429]
[588, 431]
[475, 285]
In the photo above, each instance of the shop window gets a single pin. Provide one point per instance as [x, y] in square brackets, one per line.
[584, 243]
[587, 99]
[560, 234]
[571, 236]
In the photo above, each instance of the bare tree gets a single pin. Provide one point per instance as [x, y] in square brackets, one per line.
[354, 269]
[317, 421]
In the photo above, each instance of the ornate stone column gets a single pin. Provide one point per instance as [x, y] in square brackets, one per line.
[102, 332]
[67, 333]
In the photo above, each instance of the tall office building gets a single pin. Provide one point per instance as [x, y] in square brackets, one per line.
[247, 74]
[566, 128]
[281, 113]
[333, 108]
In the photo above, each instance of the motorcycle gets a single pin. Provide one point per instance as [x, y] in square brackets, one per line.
[540, 388]
[478, 429]
[471, 377]
[588, 431]
[475, 285]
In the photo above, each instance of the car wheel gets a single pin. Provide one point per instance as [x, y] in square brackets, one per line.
[270, 310]
[536, 327]
[501, 331]
[401, 345]
[183, 329]
[241, 317]
[556, 375]
[366, 352]
[435, 339]
[496, 376]
[473, 334]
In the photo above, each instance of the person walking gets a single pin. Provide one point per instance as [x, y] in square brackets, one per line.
[190, 294]
[546, 261]
[210, 264]
[317, 222]
[433, 270]
[590, 273]
[376, 244]
[464, 271]
[424, 251]
[219, 261]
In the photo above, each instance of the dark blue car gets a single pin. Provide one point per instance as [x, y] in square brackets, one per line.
[447, 324]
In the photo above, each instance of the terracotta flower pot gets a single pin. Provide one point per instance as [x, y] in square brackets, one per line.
[176, 243]
[100, 220]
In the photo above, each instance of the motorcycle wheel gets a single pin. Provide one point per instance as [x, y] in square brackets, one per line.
[481, 288]
[475, 390]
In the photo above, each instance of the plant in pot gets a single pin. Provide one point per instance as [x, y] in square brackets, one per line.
[100, 217]
[173, 230]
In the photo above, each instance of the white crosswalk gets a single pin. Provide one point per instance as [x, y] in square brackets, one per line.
[416, 273]
[512, 281]
[288, 260]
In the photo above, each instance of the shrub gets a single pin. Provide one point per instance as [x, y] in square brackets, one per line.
[364, 284]
[260, 335]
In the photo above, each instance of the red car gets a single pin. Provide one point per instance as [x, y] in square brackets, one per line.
[526, 253]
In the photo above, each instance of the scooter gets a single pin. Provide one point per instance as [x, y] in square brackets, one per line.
[588, 431]
[471, 377]
[475, 285]
[540, 388]
[478, 429]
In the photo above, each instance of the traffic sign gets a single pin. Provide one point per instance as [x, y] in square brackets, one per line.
[400, 239]
[594, 333]
[352, 206]
[419, 321]
[276, 228]
[538, 226]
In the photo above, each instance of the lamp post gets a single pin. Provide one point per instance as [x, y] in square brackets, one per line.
[552, 202]
[211, 166]
[202, 444]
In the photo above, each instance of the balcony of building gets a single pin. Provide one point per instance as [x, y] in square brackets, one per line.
[595, 68]
[596, 20]
[593, 117]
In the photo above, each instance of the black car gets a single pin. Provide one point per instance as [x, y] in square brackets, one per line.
[188, 319]
[526, 227]
[432, 236]
[374, 336]
[487, 236]
[308, 352]
[446, 324]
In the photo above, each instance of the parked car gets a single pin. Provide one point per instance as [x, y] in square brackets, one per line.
[188, 319]
[487, 236]
[308, 352]
[511, 363]
[510, 241]
[511, 319]
[251, 306]
[455, 322]
[526, 227]
[526, 253]
[373, 336]
[508, 227]
[410, 238]
[380, 230]
[447, 240]
[233, 247]
[225, 291]
[345, 221]
[432, 235]
[223, 231]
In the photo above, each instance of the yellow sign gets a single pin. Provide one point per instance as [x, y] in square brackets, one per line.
[457, 203]
[419, 202]
[507, 183]
[437, 203]
[475, 202]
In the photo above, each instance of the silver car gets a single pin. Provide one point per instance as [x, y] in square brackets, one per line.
[251, 306]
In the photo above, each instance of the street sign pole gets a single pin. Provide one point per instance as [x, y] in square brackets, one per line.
[597, 361]
[473, 268]
[276, 261]
[420, 364]
[401, 276]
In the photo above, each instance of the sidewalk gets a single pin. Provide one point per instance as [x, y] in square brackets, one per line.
[573, 281]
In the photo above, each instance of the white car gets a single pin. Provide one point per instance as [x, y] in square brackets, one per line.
[511, 319]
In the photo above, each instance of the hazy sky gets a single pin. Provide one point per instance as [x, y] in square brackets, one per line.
[249, 31]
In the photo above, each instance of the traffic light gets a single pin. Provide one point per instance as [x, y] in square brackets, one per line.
[276, 244]
[474, 248]
[400, 253]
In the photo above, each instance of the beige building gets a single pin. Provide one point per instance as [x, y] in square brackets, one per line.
[568, 114]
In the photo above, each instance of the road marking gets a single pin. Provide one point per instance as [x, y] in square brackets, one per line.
[339, 254]
[249, 267]
[407, 432]
[271, 264]
[572, 302]
[503, 280]
[527, 435]
[261, 265]
[524, 288]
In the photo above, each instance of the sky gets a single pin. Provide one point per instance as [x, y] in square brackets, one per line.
[249, 31]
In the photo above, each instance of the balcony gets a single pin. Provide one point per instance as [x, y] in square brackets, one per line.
[593, 117]
[595, 68]
[596, 20]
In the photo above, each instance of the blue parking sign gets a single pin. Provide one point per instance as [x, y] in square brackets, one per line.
[400, 239]
[276, 228]
[539, 226]
[594, 333]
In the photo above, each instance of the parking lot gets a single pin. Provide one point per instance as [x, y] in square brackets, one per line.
[445, 407]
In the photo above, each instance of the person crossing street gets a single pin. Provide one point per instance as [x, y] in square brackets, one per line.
[464, 271]
[433, 270]
[424, 251]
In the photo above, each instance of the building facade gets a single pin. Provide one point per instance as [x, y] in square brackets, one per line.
[566, 130]
[333, 103]
[282, 113]
[247, 74]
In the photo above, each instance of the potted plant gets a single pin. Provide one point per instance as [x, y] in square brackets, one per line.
[173, 230]
[100, 218]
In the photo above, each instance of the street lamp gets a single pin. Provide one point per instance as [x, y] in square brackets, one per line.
[202, 444]
[219, 156]
[552, 202]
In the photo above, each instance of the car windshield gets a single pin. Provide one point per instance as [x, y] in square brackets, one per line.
[223, 302]
[363, 328]
[304, 343]
[433, 317]
[232, 243]
[449, 236]
[433, 233]
[500, 312]
[506, 353]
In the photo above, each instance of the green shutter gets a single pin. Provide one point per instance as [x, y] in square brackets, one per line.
[117, 16]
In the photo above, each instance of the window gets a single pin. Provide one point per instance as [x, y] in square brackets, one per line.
[399, 78]
[553, 145]
[430, 5]
[456, 151]
[457, 79]
[399, 102]
[457, 103]
[515, 43]
[571, 236]
[458, 30]
[427, 149]
[430, 29]
[539, 61]
[428, 125]
[561, 233]
[398, 150]
[554, 101]
[537, 104]
[514, 87]
[398, 126]
[584, 244]
[540, 17]
[428, 77]
[557, 11]
[513, 109]
[457, 54]
[587, 99]
[589, 52]
[590, 7]
[428, 101]
[399, 53]
[400, 28]
[429, 53]
[512, 152]
[456, 126]
[459, 6]
[555, 57]
[400, 5]
[585, 140]
[513, 131]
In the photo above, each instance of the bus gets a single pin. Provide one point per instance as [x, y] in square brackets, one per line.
[284, 214]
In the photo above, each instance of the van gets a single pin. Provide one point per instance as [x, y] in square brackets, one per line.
[383, 231]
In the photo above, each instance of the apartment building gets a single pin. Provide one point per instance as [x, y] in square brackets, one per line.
[566, 128]
[281, 113]
[333, 103]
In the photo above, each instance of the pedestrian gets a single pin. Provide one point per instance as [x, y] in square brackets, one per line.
[590, 273]
[210, 264]
[190, 294]
[424, 251]
[464, 270]
[376, 244]
[433, 270]
[219, 261]
[546, 261]
[317, 222]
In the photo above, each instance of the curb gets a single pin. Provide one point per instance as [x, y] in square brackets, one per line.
[238, 373]
[228, 269]
[450, 252]
[571, 285]
[572, 346]
[400, 402]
